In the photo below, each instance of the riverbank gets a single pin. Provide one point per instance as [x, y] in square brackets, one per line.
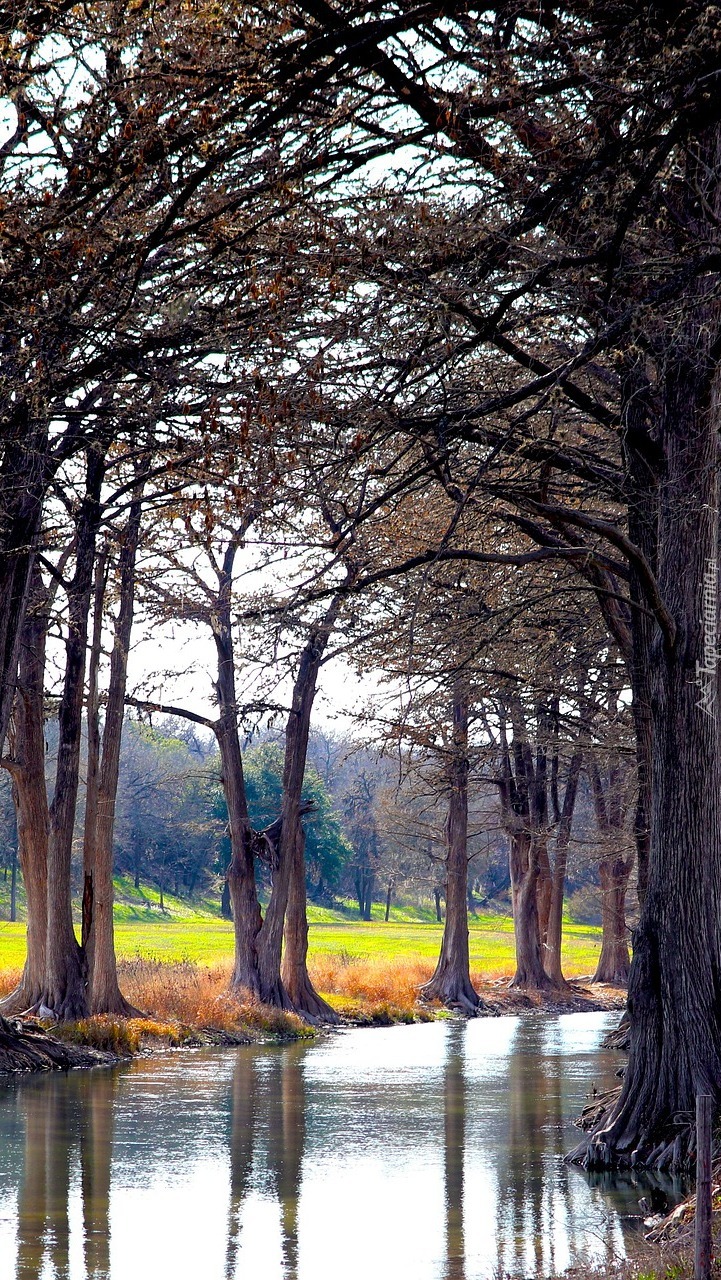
[187, 1004]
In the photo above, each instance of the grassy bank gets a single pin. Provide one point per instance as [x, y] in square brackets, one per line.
[175, 966]
[209, 941]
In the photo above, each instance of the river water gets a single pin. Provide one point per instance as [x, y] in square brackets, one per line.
[430, 1152]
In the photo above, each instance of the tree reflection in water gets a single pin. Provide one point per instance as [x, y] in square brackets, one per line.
[470, 1121]
[68, 1128]
[454, 1149]
[267, 1129]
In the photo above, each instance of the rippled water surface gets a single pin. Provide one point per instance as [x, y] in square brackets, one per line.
[428, 1152]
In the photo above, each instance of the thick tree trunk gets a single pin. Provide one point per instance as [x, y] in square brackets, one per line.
[544, 890]
[30, 796]
[530, 971]
[241, 872]
[614, 871]
[291, 864]
[642, 460]
[451, 982]
[563, 839]
[294, 971]
[675, 983]
[524, 809]
[92, 764]
[614, 962]
[105, 994]
[66, 993]
[24, 476]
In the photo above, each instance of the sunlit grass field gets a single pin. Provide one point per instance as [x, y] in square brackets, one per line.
[207, 940]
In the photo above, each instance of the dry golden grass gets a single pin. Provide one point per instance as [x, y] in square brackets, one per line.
[371, 981]
[182, 996]
[9, 979]
[124, 1036]
[195, 996]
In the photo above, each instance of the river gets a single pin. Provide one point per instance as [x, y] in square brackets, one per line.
[430, 1152]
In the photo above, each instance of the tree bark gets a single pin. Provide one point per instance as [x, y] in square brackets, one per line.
[614, 870]
[530, 971]
[642, 458]
[24, 475]
[92, 764]
[241, 872]
[105, 994]
[289, 877]
[66, 993]
[30, 796]
[294, 971]
[675, 981]
[451, 981]
[614, 962]
[560, 862]
[522, 787]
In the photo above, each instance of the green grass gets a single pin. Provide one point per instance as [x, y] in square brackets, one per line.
[206, 940]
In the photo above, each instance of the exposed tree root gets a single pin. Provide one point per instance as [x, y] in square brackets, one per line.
[275, 996]
[22, 999]
[619, 1038]
[595, 1112]
[537, 980]
[118, 1007]
[27, 1047]
[676, 1153]
[310, 1005]
[454, 990]
[671, 1150]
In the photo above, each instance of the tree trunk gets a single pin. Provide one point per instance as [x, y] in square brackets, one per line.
[614, 871]
[24, 477]
[524, 809]
[544, 890]
[105, 994]
[389, 895]
[451, 982]
[66, 991]
[294, 970]
[530, 971]
[560, 862]
[30, 796]
[92, 765]
[437, 900]
[241, 872]
[614, 962]
[675, 982]
[290, 873]
[641, 456]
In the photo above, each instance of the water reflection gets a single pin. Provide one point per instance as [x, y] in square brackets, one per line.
[454, 1150]
[430, 1151]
